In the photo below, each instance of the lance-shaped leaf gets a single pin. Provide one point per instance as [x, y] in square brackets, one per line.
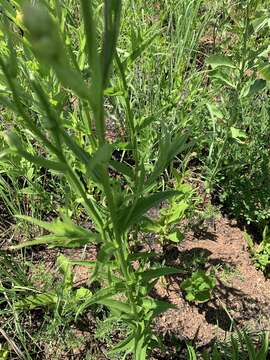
[112, 14]
[141, 343]
[119, 306]
[127, 346]
[130, 215]
[157, 307]
[65, 234]
[140, 49]
[151, 274]
[122, 168]
[94, 163]
[191, 355]
[100, 296]
[49, 48]
[36, 301]
[169, 148]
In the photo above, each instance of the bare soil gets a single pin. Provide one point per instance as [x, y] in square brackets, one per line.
[240, 299]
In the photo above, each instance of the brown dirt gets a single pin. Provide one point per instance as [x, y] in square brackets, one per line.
[81, 273]
[242, 292]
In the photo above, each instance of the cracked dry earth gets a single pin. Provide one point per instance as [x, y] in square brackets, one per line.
[241, 294]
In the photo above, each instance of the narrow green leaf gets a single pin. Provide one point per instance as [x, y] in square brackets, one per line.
[36, 301]
[139, 50]
[260, 22]
[112, 14]
[117, 305]
[87, 263]
[249, 344]
[98, 297]
[191, 352]
[132, 214]
[263, 353]
[235, 348]
[157, 306]
[125, 345]
[72, 79]
[41, 161]
[91, 41]
[65, 234]
[178, 145]
[122, 168]
[140, 347]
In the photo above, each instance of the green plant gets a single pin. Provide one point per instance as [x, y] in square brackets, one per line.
[199, 286]
[92, 139]
[255, 352]
[261, 252]
[234, 150]
[170, 216]
[241, 346]
[4, 352]
[107, 329]
[238, 72]
[244, 345]
[85, 73]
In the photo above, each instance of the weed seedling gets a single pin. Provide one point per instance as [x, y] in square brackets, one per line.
[199, 286]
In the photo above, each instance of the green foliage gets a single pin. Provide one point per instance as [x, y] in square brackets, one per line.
[46, 118]
[92, 140]
[4, 352]
[260, 253]
[66, 234]
[167, 223]
[242, 345]
[106, 328]
[199, 286]
[235, 148]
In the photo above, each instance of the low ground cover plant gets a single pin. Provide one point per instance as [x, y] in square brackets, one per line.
[199, 286]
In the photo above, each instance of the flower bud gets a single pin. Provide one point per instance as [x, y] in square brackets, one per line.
[37, 21]
[43, 33]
